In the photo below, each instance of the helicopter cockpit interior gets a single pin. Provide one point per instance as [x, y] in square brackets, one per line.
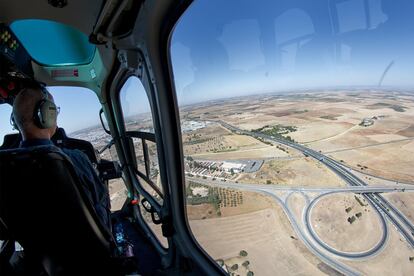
[45, 217]
[231, 137]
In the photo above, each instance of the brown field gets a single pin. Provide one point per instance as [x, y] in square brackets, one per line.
[322, 130]
[297, 172]
[403, 202]
[251, 202]
[267, 237]
[407, 132]
[329, 121]
[329, 221]
[117, 193]
[226, 146]
[392, 260]
[257, 153]
[391, 162]
[205, 210]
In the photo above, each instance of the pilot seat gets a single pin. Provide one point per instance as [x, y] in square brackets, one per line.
[44, 209]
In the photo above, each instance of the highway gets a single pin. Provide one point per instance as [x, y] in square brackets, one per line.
[321, 190]
[269, 191]
[404, 226]
[356, 185]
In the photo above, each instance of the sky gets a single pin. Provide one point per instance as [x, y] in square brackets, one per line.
[239, 47]
[79, 107]
[221, 49]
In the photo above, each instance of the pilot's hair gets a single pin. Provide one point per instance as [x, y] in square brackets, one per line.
[24, 107]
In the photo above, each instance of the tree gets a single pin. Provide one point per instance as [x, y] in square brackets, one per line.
[243, 253]
[268, 182]
[235, 267]
[245, 264]
[250, 273]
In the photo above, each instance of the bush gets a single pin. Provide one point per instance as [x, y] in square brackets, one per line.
[268, 182]
[243, 253]
[250, 273]
[235, 267]
[245, 263]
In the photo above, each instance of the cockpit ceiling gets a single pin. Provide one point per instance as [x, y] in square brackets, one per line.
[79, 14]
[50, 43]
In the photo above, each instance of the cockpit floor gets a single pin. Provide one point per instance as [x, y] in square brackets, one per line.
[147, 258]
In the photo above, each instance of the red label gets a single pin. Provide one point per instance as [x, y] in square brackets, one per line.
[65, 73]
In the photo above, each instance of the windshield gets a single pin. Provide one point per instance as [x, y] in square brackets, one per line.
[297, 132]
[5, 126]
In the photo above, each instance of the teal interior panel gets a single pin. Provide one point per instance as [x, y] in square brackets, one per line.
[53, 44]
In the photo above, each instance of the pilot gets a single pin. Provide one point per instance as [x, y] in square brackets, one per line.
[35, 115]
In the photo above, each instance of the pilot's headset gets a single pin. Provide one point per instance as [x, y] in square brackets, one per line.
[46, 111]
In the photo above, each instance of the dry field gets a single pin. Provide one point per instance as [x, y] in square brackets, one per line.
[392, 161]
[117, 193]
[403, 202]
[256, 153]
[297, 172]
[267, 237]
[251, 202]
[329, 121]
[394, 259]
[330, 222]
[216, 143]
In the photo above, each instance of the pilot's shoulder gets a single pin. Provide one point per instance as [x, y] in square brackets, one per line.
[76, 154]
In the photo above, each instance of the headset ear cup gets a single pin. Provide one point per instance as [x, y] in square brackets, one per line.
[48, 114]
[45, 114]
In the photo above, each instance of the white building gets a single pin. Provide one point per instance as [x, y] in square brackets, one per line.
[236, 167]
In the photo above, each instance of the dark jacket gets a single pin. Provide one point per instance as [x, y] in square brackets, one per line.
[92, 186]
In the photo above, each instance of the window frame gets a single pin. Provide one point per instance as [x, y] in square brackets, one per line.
[152, 44]
[136, 188]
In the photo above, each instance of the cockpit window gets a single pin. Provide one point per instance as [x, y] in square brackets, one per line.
[53, 44]
[297, 134]
[5, 125]
[79, 122]
[139, 123]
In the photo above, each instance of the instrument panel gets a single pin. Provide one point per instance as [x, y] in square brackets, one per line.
[14, 59]
[15, 64]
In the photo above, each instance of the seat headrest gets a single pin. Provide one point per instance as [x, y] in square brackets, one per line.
[60, 134]
[45, 209]
[11, 140]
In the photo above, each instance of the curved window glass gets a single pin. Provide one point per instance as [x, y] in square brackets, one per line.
[298, 135]
[138, 121]
[5, 126]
